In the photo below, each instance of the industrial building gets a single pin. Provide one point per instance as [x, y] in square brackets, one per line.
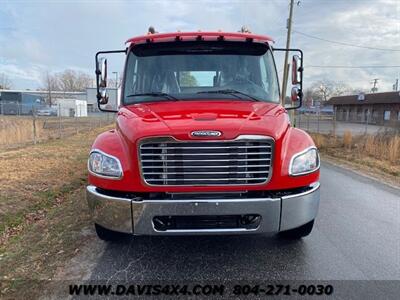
[77, 104]
[20, 103]
[375, 108]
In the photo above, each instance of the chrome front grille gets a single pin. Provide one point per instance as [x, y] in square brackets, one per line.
[243, 161]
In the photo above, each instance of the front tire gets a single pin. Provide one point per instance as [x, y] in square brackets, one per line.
[299, 232]
[109, 235]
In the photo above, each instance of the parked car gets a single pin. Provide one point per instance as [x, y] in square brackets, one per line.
[46, 112]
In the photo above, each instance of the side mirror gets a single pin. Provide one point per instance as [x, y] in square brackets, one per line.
[295, 98]
[103, 72]
[296, 70]
[102, 96]
[295, 94]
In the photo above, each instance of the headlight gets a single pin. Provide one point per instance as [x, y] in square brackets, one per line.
[304, 162]
[104, 165]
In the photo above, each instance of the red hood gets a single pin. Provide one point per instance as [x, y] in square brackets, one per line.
[180, 118]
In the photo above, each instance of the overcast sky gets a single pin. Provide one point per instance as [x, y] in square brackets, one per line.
[36, 36]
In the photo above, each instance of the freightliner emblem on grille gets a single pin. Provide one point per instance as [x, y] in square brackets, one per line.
[206, 133]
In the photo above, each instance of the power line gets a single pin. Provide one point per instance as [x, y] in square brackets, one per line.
[343, 43]
[353, 67]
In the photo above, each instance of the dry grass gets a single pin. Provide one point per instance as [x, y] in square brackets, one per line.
[319, 140]
[42, 210]
[347, 139]
[31, 177]
[370, 145]
[394, 149]
[380, 152]
[19, 130]
[384, 147]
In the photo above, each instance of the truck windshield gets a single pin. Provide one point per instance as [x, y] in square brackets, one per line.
[187, 71]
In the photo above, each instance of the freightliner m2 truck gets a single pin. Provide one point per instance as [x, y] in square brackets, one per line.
[203, 143]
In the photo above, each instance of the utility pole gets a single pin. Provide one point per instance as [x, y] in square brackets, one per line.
[396, 85]
[285, 66]
[374, 82]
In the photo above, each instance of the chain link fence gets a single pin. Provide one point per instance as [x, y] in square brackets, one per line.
[335, 125]
[26, 124]
[29, 124]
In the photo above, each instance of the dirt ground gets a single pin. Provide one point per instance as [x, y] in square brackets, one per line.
[43, 212]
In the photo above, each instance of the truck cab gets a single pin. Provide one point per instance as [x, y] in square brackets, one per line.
[202, 142]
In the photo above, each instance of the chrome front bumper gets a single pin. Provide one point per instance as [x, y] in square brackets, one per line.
[136, 217]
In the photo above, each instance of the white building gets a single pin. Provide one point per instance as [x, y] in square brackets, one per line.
[71, 107]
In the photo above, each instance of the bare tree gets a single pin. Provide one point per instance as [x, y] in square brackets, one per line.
[49, 84]
[67, 81]
[113, 83]
[308, 97]
[74, 81]
[5, 82]
[323, 90]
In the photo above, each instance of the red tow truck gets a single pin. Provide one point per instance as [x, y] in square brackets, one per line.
[202, 143]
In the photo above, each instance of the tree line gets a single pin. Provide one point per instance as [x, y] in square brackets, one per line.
[322, 90]
[67, 81]
[77, 81]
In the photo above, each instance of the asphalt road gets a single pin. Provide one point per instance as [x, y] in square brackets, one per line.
[356, 237]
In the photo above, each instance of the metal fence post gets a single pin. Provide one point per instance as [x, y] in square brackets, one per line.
[34, 124]
[59, 120]
[76, 124]
[366, 122]
[334, 121]
[318, 116]
[298, 114]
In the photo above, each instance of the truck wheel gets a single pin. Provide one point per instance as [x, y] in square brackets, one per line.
[299, 232]
[109, 235]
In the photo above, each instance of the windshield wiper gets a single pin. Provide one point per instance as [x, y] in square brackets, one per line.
[229, 92]
[154, 94]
